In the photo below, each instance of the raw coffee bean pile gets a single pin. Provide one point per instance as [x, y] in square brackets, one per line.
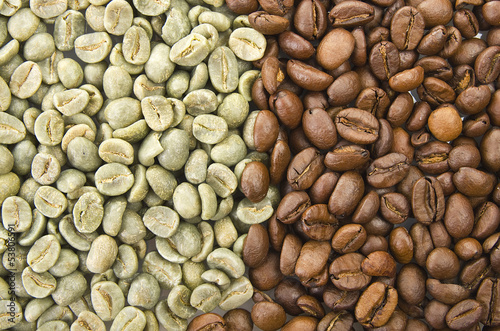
[389, 214]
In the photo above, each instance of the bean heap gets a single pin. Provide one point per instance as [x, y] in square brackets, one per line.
[389, 213]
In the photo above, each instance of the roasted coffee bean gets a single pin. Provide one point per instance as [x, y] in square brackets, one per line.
[273, 73]
[357, 126]
[295, 46]
[401, 245]
[317, 222]
[349, 238]
[422, 243]
[268, 316]
[442, 263]
[428, 203]
[394, 207]
[290, 251]
[307, 76]
[345, 272]
[411, 283]
[346, 194]
[350, 14]
[305, 168]
[433, 157]
[464, 314]
[384, 60]
[387, 170]
[310, 19]
[487, 295]
[338, 300]
[312, 260]
[459, 216]
[342, 320]
[266, 23]
[255, 246]
[379, 263]
[292, 206]
[487, 66]
[376, 305]
[335, 48]
[344, 158]
[449, 294]
[433, 42]
[407, 28]
[288, 107]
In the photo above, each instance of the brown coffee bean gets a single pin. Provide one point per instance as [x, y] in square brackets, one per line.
[385, 140]
[267, 275]
[317, 223]
[266, 23]
[379, 263]
[468, 52]
[473, 182]
[407, 80]
[279, 160]
[292, 206]
[373, 244]
[290, 252]
[319, 128]
[339, 300]
[474, 272]
[464, 314]
[254, 182]
[305, 168]
[323, 187]
[305, 323]
[288, 107]
[440, 237]
[272, 50]
[435, 66]
[259, 94]
[433, 42]
[407, 28]
[487, 65]
[453, 42]
[242, 7]
[336, 321]
[436, 91]
[401, 245]
[351, 13]
[273, 73]
[268, 316]
[376, 305]
[277, 232]
[347, 157]
[346, 194]
[400, 109]
[367, 208]
[286, 294]
[442, 263]
[255, 246]
[488, 296]
[465, 21]
[310, 19]
[349, 238]
[315, 100]
[422, 243]
[207, 321]
[238, 319]
[357, 126]
[310, 305]
[384, 60]
[312, 260]
[373, 100]
[307, 76]
[265, 132]
[464, 156]
[473, 99]
[486, 220]
[276, 7]
[449, 294]
[387, 170]
[298, 140]
[394, 207]
[428, 203]
[411, 283]
[490, 246]
[490, 13]
[344, 89]
[435, 314]
[459, 216]
[468, 248]
[490, 156]
[433, 157]
[463, 78]
[345, 272]
[445, 123]
[295, 46]
[335, 48]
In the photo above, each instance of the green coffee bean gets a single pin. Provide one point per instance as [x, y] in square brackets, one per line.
[44, 253]
[38, 285]
[151, 8]
[205, 297]
[107, 300]
[239, 291]
[16, 214]
[126, 264]
[157, 112]
[93, 47]
[222, 179]
[88, 321]
[190, 50]
[247, 44]
[129, 319]
[96, 261]
[178, 302]
[118, 17]
[66, 263]
[50, 201]
[70, 73]
[168, 319]
[144, 291]
[69, 288]
[176, 27]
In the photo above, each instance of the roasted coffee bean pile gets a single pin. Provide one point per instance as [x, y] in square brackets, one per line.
[389, 213]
